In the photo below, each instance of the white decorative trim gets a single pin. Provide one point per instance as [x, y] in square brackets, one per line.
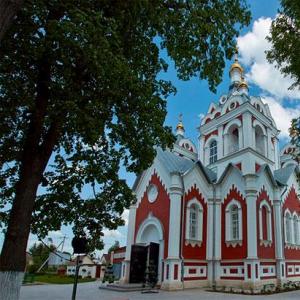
[200, 271]
[151, 220]
[199, 216]
[228, 224]
[234, 243]
[236, 122]
[267, 242]
[193, 243]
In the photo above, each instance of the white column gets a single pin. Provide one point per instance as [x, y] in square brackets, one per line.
[172, 276]
[277, 156]
[201, 148]
[241, 138]
[247, 130]
[279, 235]
[251, 263]
[220, 142]
[209, 229]
[130, 241]
[269, 144]
[251, 195]
[226, 144]
[176, 192]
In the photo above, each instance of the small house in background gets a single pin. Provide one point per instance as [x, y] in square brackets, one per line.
[88, 268]
[58, 258]
[117, 257]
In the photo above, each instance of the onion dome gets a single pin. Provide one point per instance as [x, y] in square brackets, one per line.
[180, 128]
[243, 84]
[236, 65]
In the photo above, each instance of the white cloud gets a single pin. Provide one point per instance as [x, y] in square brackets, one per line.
[125, 216]
[282, 115]
[55, 234]
[252, 47]
[112, 233]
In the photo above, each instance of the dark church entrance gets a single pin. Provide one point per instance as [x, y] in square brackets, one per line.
[143, 257]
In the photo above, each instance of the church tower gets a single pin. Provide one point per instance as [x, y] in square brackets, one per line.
[239, 129]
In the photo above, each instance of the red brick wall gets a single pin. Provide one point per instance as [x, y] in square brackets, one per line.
[190, 252]
[292, 202]
[159, 209]
[262, 251]
[238, 252]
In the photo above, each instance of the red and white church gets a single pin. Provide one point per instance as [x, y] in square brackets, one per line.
[226, 214]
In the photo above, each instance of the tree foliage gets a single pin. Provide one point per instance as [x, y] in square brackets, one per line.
[40, 253]
[80, 93]
[295, 139]
[285, 39]
[115, 246]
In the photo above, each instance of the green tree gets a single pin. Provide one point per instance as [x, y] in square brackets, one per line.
[295, 139]
[40, 253]
[8, 11]
[115, 246]
[80, 93]
[285, 40]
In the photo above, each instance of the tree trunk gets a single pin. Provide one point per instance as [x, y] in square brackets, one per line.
[10, 283]
[13, 256]
[39, 143]
[8, 10]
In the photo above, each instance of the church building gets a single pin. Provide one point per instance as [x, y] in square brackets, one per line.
[222, 214]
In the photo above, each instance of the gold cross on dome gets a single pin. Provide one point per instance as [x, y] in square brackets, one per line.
[180, 117]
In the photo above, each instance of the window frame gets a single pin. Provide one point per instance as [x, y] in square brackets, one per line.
[198, 238]
[265, 204]
[229, 238]
[213, 152]
[288, 228]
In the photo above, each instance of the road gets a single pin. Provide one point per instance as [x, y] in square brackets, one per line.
[90, 291]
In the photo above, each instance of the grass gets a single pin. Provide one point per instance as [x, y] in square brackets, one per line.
[54, 278]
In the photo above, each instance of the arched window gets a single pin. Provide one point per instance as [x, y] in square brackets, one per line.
[265, 222]
[194, 222]
[288, 227]
[296, 230]
[213, 152]
[259, 140]
[233, 222]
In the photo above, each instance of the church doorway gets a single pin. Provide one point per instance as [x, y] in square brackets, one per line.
[143, 258]
[147, 253]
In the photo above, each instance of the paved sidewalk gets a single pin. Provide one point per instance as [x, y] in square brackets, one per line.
[90, 291]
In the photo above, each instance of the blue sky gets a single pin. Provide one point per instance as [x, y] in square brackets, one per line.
[193, 97]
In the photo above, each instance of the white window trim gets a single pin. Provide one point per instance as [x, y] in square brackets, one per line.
[199, 216]
[288, 217]
[215, 156]
[295, 219]
[269, 223]
[228, 229]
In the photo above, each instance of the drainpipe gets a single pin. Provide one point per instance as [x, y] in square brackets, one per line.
[182, 230]
[282, 224]
[213, 239]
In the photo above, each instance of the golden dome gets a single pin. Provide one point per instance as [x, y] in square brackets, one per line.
[180, 126]
[243, 83]
[236, 65]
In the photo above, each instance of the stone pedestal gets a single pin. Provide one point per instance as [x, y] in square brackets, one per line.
[172, 275]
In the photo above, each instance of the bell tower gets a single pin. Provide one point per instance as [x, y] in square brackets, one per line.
[238, 129]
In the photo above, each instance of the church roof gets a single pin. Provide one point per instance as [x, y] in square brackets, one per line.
[176, 163]
[282, 175]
